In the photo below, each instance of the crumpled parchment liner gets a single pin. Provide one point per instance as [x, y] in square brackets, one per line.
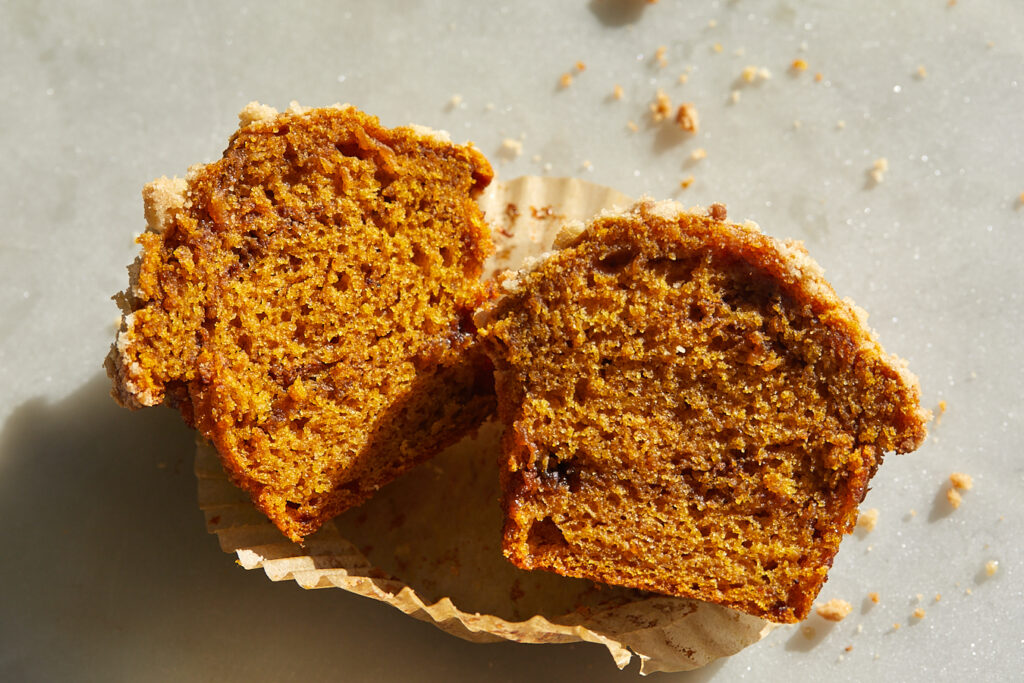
[429, 543]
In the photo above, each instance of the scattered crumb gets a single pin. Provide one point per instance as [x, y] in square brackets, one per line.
[921, 72]
[586, 165]
[489, 106]
[919, 597]
[860, 628]
[511, 148]
[878, 170]
[797, 123]
[687, 118]
[991, 567]
[939, 412]
[536, 158]
[717, 47]
[661, 107]
[547, 166]
[799, 65]
[659, 56]
[455, 101]
[868, 519]
[968, 591]
[734, 97]
[938, 596]
[632, 126]
[739, 52]
[834, 610]
[961, 481]
[750, 74]
[874, 597]
[869, 548]
[840, 124]
[919, 613]
[848, 648]
[580, 66]
[686, 182]
[698, 154]
[954, 497]
[712, 23]
[819, 77]
[896, 626]
[685, 77]
[617, 92]
[912, 513]
[951, 3]
[565, 80]
[808, 632]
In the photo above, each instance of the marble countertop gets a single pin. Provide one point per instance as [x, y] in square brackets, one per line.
[107, 571]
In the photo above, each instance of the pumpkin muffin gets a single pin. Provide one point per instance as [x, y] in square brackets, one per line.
[689, 409]
[306, 302]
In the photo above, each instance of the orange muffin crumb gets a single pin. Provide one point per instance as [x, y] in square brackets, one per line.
[306, 303]
[689, 409]
[834, 610]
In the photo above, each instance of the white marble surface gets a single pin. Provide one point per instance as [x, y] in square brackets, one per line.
[107, 573]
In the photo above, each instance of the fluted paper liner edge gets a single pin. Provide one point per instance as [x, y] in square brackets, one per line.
[666, 633]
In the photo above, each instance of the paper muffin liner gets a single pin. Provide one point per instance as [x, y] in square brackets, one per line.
[429, 542]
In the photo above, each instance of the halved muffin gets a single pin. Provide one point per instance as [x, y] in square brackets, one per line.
[306, 302]
[689, 409]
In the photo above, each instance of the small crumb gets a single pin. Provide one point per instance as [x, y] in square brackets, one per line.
[536, 158]
[1020, 198]
[834, 610]
[659, 56]
[968, 591]
[951, 3]
[687, 118]
[896, 626]
[848, 648]
[921, 72]
[869, 548]
[547, 167]
[566, 80]
[685, 77]
[991, 567]
[580, 66]
[661, 107]
[868, 519]
[819, 77]
[734, 97]
[990, 44]
[751, 74]
[840, 124]
[617, 92]
[632, 126]
[489, 106]
[511, 148]
[919, 613]
[698, 154]
[961, 481]
[739, 52]
[940, 410]
[954, 497]
[874, 597]
[455, 101]
[712, 23]
[717, 47]
[860, 628]
[808, 632]
[799, 64]
[938, 597]
[686, 182]
[919, 597]
[912, 513]
[797, 124]
[878, 170]
[586, 165]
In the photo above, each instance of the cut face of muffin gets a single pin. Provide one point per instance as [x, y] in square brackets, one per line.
[306, 301]
[689, 409]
